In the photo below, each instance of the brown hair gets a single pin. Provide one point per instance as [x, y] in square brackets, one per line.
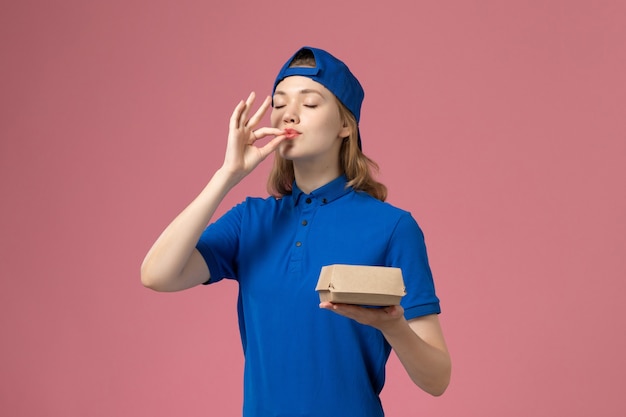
[356, 166]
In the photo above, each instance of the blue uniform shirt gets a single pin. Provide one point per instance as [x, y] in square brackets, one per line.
[301, 360]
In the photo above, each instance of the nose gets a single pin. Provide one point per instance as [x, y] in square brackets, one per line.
[290, 116]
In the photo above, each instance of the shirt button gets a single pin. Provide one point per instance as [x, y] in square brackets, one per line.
[324, 200]
[304, 222]
[308, 200]
[298, 244]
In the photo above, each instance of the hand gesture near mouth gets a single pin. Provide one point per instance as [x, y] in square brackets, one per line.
[242, 155]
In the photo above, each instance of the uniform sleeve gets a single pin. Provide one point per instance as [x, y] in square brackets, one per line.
[219, 245]
[407, 250]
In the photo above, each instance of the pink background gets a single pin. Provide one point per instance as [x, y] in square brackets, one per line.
[499, 124]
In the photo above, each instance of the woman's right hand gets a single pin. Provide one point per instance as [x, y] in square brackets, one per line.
[242, 155]
[173, 263]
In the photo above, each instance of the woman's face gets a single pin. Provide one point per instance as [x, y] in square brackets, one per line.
[312, 111]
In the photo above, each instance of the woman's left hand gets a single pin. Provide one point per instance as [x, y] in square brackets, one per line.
[383, 318]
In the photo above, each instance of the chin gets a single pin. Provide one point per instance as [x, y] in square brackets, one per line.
[285, 150]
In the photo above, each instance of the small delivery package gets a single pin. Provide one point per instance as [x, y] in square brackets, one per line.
[362, 285]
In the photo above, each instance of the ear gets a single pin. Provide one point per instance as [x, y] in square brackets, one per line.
[345, 131]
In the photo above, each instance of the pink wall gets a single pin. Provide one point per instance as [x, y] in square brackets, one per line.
[501, 125]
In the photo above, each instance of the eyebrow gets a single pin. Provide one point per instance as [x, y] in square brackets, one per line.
[302, 92]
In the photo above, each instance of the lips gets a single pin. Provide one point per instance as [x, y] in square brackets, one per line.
[291, 133]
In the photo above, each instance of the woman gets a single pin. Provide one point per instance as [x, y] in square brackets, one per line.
[302, 357]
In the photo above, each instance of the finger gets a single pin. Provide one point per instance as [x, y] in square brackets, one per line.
[266, 131]
[272, 145]
[244, 114]
[256, 118]
[236, 116]
[394, 311]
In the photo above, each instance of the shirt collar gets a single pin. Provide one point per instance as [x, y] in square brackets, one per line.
[326, 193]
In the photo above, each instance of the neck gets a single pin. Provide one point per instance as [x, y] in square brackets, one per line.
[311, 177]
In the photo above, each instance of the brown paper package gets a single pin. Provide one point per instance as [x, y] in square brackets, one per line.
[362, 285]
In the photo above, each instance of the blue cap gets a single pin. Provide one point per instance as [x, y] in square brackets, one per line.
[332, 74]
